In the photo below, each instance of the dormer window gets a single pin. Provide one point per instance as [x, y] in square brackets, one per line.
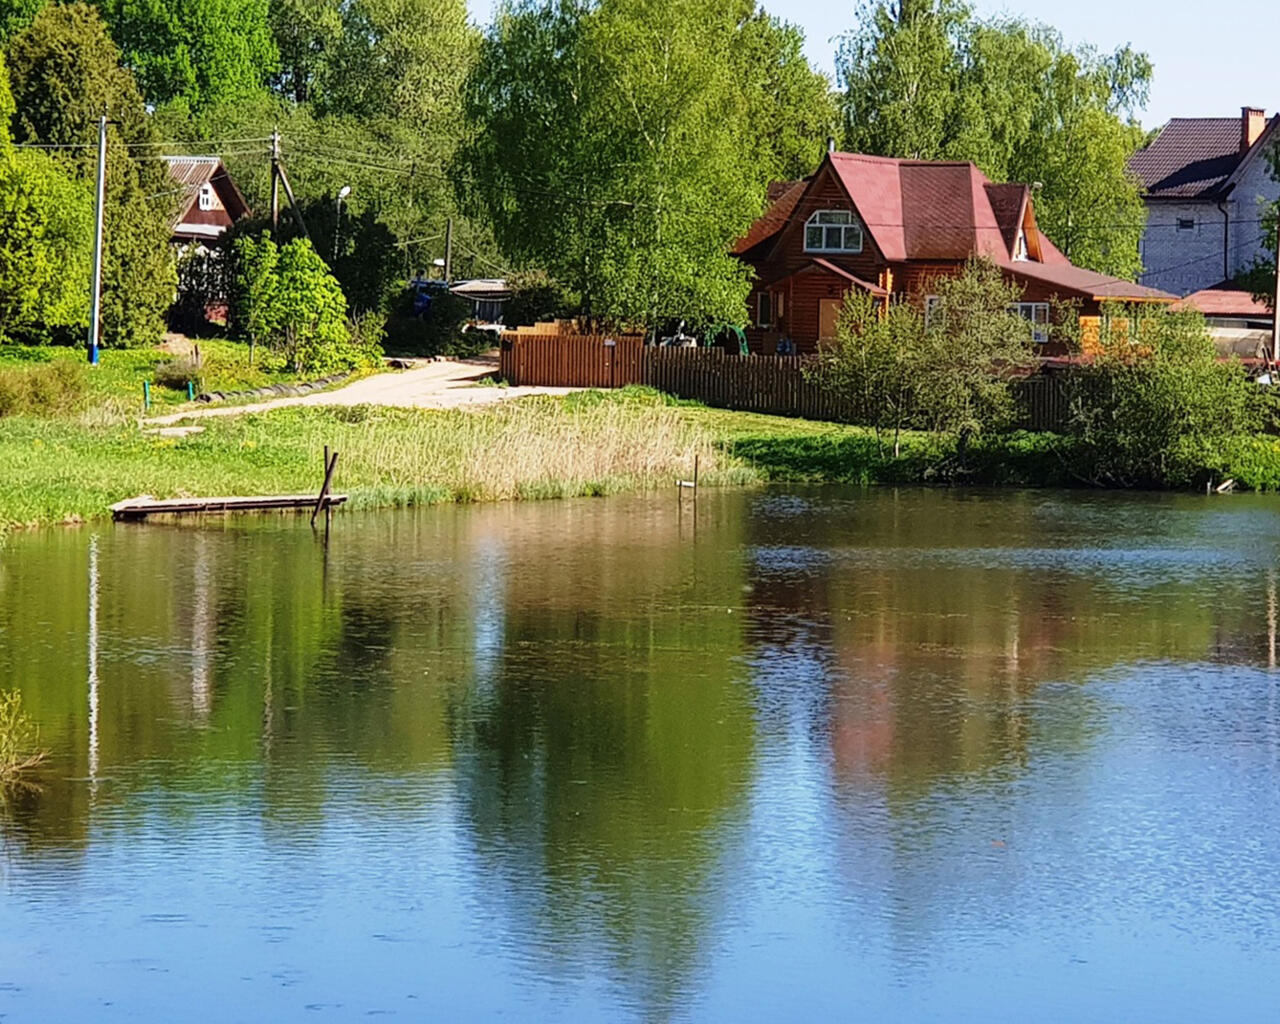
[206, 197]
[832, 231]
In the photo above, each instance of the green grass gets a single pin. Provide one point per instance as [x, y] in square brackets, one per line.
[54, 471]
[68, 469]
[114, 386]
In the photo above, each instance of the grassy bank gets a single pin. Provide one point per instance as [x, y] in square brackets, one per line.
[55, 471]
[66, 469]
[113, 389]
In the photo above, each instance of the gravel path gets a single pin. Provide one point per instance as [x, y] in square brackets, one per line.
[448, 384]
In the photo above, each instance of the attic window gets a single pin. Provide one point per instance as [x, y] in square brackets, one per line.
[1020, 247]
[832, 231]
[1186, 224]
[206, 196]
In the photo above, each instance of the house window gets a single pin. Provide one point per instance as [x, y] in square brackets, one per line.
[1186, 224]
[832, 231]
[764, 310]
[932, 307]
[1020, 249]
[206, 197]
[1038, 315]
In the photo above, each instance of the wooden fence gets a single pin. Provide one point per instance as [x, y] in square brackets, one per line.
[754, 383]
[571, 360]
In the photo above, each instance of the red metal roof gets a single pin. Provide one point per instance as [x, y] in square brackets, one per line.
[1223, 300]
[938, 210]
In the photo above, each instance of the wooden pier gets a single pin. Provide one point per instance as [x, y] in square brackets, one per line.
[143, 506]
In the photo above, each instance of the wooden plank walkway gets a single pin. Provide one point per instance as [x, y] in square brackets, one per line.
[144, 505]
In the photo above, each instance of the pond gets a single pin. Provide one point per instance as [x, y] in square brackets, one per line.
[887, 755]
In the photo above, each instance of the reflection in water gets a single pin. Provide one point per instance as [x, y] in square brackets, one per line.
[932, 754]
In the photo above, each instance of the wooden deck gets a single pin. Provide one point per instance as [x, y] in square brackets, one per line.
[143, 506]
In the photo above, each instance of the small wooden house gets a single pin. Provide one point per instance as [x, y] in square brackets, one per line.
[892, 228]
[209, 200]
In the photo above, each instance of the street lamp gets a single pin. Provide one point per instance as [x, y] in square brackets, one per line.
[337, 220]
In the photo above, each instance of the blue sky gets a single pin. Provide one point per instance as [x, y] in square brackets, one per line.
[1206, 66]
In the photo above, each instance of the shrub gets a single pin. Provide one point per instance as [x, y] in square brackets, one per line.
[19, 739]
[47, 389]
[1156, 408]
[175, 373]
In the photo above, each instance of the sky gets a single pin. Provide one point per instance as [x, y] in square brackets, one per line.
[1204, 66]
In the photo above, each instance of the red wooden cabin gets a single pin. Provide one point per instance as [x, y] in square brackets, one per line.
[892, 227]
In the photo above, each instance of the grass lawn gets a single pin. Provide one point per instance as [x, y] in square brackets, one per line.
[115, 384]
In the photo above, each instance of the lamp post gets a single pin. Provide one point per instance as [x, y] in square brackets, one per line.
[337, 220]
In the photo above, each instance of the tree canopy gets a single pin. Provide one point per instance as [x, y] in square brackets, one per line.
[929, 80]
[623, 145]
[65, 72]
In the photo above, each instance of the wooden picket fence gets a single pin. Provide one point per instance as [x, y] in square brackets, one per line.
[771, 384]
[571, 360]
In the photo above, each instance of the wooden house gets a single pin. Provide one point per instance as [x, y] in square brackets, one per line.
[209, 201]
[892, 228]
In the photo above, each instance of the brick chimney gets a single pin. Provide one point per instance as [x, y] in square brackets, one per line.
[1252, 122]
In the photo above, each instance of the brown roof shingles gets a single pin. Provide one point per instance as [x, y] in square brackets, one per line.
[1191, 158]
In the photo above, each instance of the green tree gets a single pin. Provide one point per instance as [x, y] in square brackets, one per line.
[45, 227]
[65, 71]
[403, 59]
[1156, 406]
[306, 32]
[1260, 277]
[931, 81]
[950, 371]
[195, 51]
[622, 146]
[286, 296]
[15, 15]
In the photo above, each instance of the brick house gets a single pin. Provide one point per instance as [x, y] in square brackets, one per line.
[1205, 181]
[892, 227]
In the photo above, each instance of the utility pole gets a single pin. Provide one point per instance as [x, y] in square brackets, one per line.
[95, 315]
[275, 182]
[448, 251]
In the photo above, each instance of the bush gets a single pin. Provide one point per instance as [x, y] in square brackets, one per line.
[49, 389]
[1156, 408]
[286, 298]
[19, 738]
[175, 373]
[535, 296]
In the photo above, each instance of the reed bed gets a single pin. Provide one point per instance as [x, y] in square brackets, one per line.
[55, 471]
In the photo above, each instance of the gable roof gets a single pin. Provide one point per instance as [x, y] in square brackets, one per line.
[191, 172]
[1194, 157]
[913, 209]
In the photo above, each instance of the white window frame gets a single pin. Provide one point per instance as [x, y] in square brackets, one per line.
[1021, 253]
[1037, 314]
[832, 223]
[931, 304]
[206, 197]
[764, 310]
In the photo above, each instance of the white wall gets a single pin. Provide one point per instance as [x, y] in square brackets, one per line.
[1254, 191]
[1178, 260]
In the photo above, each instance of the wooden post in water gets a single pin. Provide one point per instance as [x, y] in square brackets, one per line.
[330, 464]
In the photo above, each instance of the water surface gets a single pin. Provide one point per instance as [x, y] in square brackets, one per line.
[884, 755]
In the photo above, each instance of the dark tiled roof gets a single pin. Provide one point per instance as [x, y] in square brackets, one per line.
[1191, 158]
[1006, 204]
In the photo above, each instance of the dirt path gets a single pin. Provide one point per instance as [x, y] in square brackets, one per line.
[433, 385]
